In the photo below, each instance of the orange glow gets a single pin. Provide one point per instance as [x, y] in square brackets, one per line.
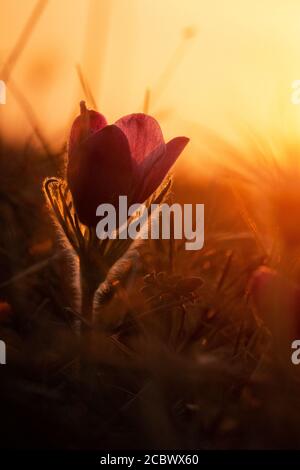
[234, 63]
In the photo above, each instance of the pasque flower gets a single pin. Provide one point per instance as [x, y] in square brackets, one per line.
[277, 300]
[127, 158]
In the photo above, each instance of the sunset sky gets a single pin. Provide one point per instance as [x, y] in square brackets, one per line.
[237, 66]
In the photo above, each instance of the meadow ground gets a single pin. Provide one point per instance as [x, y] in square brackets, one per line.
[178, 357]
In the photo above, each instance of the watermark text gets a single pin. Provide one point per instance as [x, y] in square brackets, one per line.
[156, 221]
[2, 353]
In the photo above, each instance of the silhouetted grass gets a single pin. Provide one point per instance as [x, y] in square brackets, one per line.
[176, 359]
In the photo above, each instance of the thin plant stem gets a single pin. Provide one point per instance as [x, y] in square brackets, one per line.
[23, 39]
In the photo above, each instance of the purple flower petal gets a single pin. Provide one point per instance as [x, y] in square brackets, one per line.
[161, 167]
[99, 170]
[85, 125]
[144, 136]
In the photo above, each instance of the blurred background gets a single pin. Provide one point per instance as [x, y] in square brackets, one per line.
[221, 73]
[218, 64]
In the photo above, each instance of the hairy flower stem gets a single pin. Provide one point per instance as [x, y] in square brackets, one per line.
[88, 288]
[90, 278]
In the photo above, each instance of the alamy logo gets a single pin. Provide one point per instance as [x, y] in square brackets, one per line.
[2, 92]
[2, 352]
[141, 222]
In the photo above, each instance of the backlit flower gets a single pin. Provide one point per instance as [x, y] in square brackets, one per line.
[128, 158]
